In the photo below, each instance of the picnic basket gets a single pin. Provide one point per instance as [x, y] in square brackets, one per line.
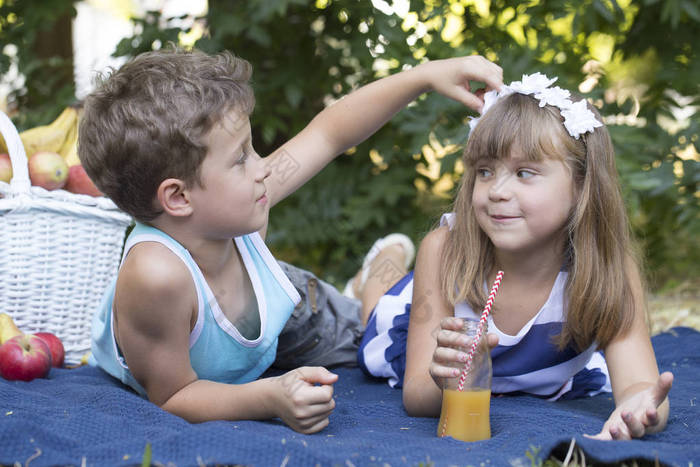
[58, 253]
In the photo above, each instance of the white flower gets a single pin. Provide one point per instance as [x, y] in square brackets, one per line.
[578, 119]
[490, 98]
[531, 84]
[473, 122]
[555, 96]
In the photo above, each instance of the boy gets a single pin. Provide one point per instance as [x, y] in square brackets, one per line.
[194, 316]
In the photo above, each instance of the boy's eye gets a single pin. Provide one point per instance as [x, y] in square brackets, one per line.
[243, 157]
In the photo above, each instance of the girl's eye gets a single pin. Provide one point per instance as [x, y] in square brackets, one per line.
[525, 173]
[483, 172]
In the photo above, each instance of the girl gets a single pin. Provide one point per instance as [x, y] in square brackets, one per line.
[539, 200]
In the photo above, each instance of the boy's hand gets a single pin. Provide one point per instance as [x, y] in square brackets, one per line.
[301, 403]
[450, 355]
[638, 415]
[451, 78]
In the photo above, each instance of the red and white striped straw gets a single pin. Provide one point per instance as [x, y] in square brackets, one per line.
[480, 329]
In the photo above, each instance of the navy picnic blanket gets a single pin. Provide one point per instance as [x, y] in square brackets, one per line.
[83, 417]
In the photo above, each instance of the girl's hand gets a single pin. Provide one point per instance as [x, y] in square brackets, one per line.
[451, 78]
[304, 398]
[451, 352]
[638, 415]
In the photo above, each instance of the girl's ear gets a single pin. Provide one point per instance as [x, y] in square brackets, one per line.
[174, 197]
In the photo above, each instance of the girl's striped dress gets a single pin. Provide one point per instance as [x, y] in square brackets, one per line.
[528, 362]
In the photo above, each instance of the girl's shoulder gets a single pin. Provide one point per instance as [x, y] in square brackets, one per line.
[433, 242]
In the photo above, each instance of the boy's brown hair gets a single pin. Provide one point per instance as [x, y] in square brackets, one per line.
[146, 122]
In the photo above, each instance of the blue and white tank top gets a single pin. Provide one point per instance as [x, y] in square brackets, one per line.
[218, 351]
[528, 362]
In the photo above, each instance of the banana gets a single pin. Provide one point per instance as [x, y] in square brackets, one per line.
[8, 328]
[69, 149]
[49, 137]
[70, 155]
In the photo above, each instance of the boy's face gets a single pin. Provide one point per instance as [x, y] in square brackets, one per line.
[231, 200]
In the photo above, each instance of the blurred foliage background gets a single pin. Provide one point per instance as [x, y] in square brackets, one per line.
[637, 60]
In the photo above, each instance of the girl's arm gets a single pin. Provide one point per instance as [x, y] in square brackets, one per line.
[422, 396]
[358, 115]
[641, 403]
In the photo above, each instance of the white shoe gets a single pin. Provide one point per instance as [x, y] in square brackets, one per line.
[377, 247]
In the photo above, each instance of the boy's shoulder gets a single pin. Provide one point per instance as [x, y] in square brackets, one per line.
[151, 271]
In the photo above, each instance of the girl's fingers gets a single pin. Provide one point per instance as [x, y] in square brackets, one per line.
[652, 418]
[662, 387]
[447, 338]
[492, 340]
[635, 428]
[452, 323]
[448, 355]
[602, 436]
[441, 371]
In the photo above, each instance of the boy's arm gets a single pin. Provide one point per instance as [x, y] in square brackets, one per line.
[155, 308]
[358, 115]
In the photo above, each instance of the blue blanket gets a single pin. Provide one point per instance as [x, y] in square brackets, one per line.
[82, 416]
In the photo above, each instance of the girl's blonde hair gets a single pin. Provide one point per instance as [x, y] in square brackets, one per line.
[599, 298]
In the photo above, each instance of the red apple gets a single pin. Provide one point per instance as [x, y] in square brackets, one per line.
[24, 358]
[79, 182]
[55, 346]
[5, 168]
[48, 170]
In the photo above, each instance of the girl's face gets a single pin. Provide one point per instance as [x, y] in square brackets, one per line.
[523, 206]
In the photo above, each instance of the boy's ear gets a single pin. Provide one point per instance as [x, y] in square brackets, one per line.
[174, 197]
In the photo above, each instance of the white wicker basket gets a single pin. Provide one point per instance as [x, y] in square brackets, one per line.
[58, 253]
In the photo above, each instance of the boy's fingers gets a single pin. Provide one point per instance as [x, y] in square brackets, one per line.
[468, 99]
[313, 425]
[494, 83]
[317, 374]
[316, 394]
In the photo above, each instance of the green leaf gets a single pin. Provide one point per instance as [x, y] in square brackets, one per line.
[692, 9]
[146, 460]
[293, 94]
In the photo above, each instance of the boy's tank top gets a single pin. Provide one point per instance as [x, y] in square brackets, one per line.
[218, 351]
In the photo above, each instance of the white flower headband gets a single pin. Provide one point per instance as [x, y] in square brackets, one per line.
[578, 118]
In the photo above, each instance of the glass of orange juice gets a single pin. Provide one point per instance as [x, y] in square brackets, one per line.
[466, 398]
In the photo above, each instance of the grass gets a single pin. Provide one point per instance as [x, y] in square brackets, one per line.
[677, 307]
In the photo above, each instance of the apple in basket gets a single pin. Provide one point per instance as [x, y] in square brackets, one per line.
[79, 182]
[24, 358]
[5, 168]
[48, 170]
[58, 353]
